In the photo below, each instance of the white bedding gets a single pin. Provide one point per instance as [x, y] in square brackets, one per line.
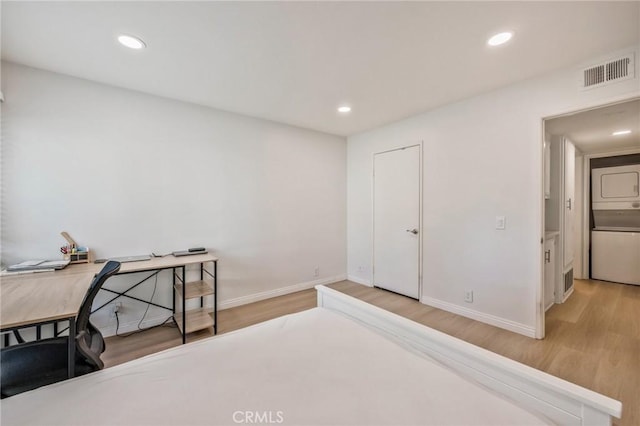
[316, 368]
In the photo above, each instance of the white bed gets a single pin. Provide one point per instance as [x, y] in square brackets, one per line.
[319, 367]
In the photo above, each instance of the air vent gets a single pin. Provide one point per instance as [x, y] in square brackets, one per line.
[568, 280]
[594, 76]
[618, 69]
[608, 72]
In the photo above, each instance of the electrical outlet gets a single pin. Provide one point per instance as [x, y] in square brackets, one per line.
[115, 307]
[468, 296]
[501, 222]
[316, 271]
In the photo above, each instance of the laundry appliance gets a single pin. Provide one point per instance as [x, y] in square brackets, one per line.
[615, 239]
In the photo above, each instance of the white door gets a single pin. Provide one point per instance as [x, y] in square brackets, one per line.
[569, 202]
[396, 220]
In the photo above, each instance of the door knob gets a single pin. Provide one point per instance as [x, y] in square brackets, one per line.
[414, 231]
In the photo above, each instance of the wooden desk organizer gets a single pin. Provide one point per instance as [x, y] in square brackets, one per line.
[75, 256]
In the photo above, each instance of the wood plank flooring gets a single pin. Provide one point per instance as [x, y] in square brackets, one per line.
[593, 339]
[123, 349]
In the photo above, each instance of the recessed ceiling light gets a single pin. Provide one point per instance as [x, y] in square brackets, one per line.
[344, 109]
[131, 42]
[499, 39]
[621, 132]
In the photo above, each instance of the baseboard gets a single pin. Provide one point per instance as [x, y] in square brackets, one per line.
[256, 297]
[359, 280]
[231, 303]
[482, 317]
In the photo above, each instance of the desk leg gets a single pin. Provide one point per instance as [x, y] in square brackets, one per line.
[71, 349]
[184, 305]
[215, 297]
[173, 291]
[202, 278]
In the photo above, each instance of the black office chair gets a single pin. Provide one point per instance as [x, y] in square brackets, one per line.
[30, 365]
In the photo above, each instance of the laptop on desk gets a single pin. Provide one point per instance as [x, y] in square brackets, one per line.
[125, 259]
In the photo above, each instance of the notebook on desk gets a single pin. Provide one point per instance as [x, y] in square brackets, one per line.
[35, 265]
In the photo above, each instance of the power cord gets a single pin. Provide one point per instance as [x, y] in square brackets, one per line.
[153, 293]
[162, 324]
[155, 287]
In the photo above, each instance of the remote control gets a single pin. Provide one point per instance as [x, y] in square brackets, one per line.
[191, 250]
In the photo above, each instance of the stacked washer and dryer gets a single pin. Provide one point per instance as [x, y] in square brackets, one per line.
[615, 238]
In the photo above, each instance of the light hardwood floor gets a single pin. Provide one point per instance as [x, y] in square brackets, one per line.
[593, 339]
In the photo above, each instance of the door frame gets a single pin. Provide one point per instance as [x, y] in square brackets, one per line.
[420, 210]
[540, 311]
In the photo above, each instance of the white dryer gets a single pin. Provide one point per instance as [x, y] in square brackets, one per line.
[616, 188]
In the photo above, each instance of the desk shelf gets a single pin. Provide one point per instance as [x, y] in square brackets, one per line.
[195, 289]
[197, 319]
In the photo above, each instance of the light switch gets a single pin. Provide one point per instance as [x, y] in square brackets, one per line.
[501, 222]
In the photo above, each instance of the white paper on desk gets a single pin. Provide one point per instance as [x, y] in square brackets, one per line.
[55, 264]
[25, 265]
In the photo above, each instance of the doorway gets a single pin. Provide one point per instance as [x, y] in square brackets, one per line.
[579, 137]
[397, 212]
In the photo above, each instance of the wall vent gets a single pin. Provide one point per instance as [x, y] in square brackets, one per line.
[610, 71]
[568, 280]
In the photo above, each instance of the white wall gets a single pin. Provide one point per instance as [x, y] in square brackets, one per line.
[482, 158]
[127, 173]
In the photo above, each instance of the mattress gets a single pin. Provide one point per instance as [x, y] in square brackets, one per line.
[316, 367]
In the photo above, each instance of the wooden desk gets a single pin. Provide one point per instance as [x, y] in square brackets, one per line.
[44, 297]
[166, 262]
[41, 297]
[155, 263]
[47, 297]
[187, 321]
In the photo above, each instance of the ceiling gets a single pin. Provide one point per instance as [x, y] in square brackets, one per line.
[296, 62]
[592, 131]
